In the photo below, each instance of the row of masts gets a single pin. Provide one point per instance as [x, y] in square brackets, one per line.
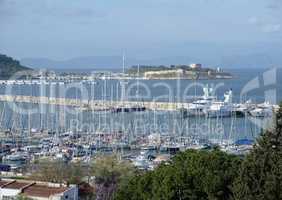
[55, 117]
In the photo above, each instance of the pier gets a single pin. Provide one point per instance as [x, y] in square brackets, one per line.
[92, 105]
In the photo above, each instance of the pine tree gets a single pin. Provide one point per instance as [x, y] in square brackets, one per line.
[261, 172]
[191, 175]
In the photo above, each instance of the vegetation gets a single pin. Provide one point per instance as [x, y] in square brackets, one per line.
[109, 172]
[215, 175]
[61, 172]
[260, 176]
[146, 68]
[58, 172]
[175, 71]
[191, 175]
[9, 66]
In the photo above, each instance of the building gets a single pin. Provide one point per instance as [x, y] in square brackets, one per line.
[196, 66]
[164, 73]
[9, 189]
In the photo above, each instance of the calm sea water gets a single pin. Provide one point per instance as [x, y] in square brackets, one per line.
[62, 118]
[167, 90]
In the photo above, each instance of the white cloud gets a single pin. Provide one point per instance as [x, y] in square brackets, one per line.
[271, 28]
[265, 25]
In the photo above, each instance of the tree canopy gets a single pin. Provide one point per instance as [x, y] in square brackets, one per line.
[191, 175]
[9, 66]
[210, 175]
[109, 172]
[260, 175]
[58, 172]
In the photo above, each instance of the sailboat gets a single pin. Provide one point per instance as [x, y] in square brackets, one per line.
[127, 108]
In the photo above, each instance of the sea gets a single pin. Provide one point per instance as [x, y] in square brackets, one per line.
[255, 85]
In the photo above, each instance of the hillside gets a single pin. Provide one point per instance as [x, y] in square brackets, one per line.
[255, 60]
[91, 62]
[177, 71]
[9, 66]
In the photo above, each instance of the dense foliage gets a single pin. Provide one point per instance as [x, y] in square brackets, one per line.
[9, 66]
[145, 68]
[58, 172]
[191, 175]
[214, 175]
[261, 172]
[109, 172]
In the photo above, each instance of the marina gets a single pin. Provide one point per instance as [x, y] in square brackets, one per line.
[99, 101]
[204, 106]
[56, 120]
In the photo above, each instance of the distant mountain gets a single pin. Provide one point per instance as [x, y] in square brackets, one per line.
[259, 60]
[9, 66]
[75, 63]
[101, 62]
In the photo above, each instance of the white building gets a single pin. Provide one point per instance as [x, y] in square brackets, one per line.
[9, 189]
[196, 66]
[160, 73]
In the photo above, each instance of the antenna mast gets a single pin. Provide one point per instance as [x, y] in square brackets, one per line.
[123, 63]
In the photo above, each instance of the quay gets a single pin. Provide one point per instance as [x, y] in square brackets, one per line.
[212, 109]
[92, 105]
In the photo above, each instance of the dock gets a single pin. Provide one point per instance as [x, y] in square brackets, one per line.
[92, 105]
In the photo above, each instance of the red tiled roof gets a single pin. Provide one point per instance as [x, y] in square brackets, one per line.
[33, 189]
[43, 191]
[3, 183]
[16, 185]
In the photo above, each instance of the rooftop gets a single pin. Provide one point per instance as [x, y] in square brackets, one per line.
[34, 189]
[15, 185]
[43, 190]
[2, 183]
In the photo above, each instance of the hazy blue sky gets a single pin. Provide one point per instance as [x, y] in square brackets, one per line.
[62, 29]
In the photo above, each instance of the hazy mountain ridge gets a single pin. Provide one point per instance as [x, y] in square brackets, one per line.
[80, 62]
[9, 66]
[115, 62]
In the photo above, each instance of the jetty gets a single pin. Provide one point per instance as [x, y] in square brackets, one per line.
[92, 105]
[206, 106]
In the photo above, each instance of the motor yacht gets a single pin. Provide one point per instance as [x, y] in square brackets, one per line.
[262, 110]
[221, 108]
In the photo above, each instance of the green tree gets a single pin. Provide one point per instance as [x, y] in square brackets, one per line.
[58, 172]
[261, 172]
[197, 175]
[109, 171]
[9, 66]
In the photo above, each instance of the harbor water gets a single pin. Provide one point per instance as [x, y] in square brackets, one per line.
[171, 122]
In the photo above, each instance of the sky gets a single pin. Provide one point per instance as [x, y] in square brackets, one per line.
[64, 29]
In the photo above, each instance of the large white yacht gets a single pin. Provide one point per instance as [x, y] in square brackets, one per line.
[198, 107]
[221, 108]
